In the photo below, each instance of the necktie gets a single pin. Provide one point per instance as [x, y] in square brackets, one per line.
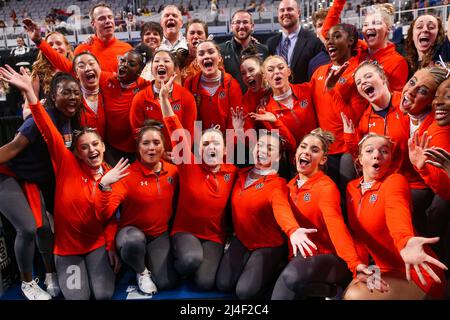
[285, 49]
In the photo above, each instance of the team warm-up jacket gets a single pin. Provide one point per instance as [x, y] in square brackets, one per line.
[380, 220]
[145, 198]
[146, 106]
[88, 117]
[392, 125]
[316, 205]
[261, 212]
[77, 229]
[107, 52]
[116, 99]
[394, 64]
[327, 106]
[215, 110]
[436, 178]
[301, 119]
[204, 195]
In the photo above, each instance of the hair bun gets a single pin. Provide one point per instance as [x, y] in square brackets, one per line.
[325, 135]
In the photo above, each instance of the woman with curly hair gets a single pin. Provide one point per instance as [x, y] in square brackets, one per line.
[426, 41]
[43, 71]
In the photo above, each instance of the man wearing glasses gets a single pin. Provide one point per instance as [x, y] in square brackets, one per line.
[241, 44]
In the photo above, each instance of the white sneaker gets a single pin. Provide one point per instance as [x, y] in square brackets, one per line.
[145, 283]
[51, 282]
[32, 291]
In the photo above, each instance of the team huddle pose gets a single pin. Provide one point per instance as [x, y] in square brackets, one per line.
[318, 165]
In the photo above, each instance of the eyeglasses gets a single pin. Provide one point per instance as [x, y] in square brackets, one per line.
[238, 22]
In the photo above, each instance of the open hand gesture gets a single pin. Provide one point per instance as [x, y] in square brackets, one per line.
[263, 115]
[20, 80]
[300, 241]
[416, 148]
[414, 255]
[32, 29]
[439, 158]
[334, 75]
[116, 173]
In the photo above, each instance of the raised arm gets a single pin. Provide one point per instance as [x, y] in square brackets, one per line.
[179, 136]
[56, 59]
[52, 136]
[333, 16]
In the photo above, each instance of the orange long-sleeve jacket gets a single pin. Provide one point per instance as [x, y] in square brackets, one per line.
[327, 106]
[392, 125]
[204, 195]
[107, 52]
[215, 110]
[436, 178]
[316, 205]
[381, 220]
[261, 212]
[145, 198]
[116, 100]
[301, 119]
[146, 105]
[88, 117]
[394, 64]
[77, 229]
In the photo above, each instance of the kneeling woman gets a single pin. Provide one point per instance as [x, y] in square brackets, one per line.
[198, 233]
[79, 236]
[145, 196]
[316, 204]
[260, 212]
[379, 215]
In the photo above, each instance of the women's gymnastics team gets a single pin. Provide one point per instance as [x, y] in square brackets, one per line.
[343, 190]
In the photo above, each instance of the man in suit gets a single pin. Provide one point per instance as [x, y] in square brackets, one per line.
[297, 45]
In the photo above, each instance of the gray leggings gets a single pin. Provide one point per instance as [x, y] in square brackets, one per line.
[250, 273]
[15, 207]
[199, 257]
[78, 275]
[302, 275]
[138, 251]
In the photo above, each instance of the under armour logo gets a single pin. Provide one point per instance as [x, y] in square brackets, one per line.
[85, 180]
[342, 80]
[320, 78]
[372, 124]
[149, 108]
[144, 183]
[259, 186]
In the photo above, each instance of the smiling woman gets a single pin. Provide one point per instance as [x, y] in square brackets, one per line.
[80, 239]
[426, 40]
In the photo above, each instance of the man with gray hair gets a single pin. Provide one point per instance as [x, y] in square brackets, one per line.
[171, 22]
[104, 45]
